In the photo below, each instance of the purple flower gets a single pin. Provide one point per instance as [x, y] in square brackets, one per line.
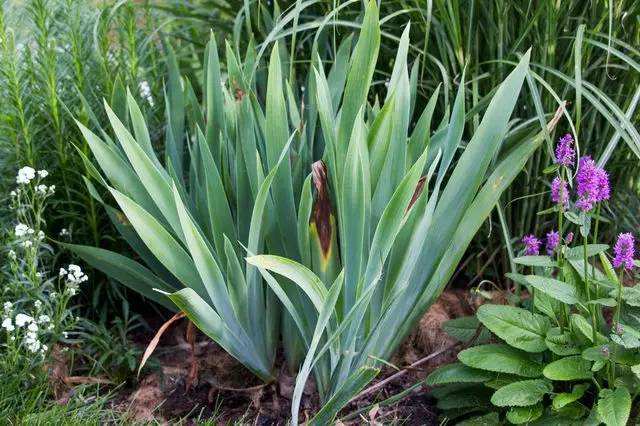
[553, 239]
[593, 184]
[624, 251]
[531, 245]
[565, 154]
[560, 192]
[568, 238]
[602, 185]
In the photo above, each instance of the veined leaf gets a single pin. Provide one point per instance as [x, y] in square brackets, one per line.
[518, 327]
[520, 394]
[457, 373]
[501, 359]
[569, 368]
[614, 406]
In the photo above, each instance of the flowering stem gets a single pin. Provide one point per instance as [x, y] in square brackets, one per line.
[588, 290]
[619, 305]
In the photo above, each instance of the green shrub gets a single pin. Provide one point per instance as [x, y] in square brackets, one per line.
[561, 360]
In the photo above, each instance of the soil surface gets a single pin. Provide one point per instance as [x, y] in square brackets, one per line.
[192, 379]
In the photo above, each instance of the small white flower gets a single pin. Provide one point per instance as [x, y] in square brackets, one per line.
[43, 173]
[145, 92]
[71, 291]
[53, 295]
[13, 193]
[65, 334]
[75, 275]
[64, 232]
[22, 319]
[62, 272]
[8, 325]
[44, 319]
[52, 189]
[7, 306]
[40, 235]
[37, 304]
[12, 255]
[42, 189]
[32, 327]
[25, 175]
[38, 274]
[21, 230]
[27, 244]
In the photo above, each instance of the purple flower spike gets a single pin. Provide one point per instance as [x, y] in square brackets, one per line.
[565, 154]
[603, 191]
[560, 192]
[553, 239]
[568, 238]
[624, 251]
[531, 245]
[593, 184]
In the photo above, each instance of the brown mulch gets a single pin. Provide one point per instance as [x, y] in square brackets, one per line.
[223, 389]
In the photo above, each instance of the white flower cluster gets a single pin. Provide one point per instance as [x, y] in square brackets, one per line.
[74, 276]
[33, 326]
[145, 92]
[25, 175]
[24, 231]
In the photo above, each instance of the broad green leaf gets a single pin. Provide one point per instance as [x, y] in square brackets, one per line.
[544, 261]
[559, 290]
[614, 406]
[501, 359]
[577, 253]
[569, 368]
[486, 420]
[457, 373]
[561, 343]
[518, 327]
[521, 415]
[463, 329]
[564, 398]
[520, 394]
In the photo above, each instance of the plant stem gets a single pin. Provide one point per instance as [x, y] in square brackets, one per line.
[587, 289]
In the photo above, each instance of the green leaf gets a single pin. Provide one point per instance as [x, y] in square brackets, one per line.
[126, 271]
[209, 322]
[521, 394]
[457, 373]
[565, 398]
[614, 406]
[577, 253]
[501, 359]
[486, 420]
[350, 387]
[464, 329]
[299, 274]
[558, 290]
[543, 261]
[561, 343]
[520, 415]
[518, 327]
[570, 368]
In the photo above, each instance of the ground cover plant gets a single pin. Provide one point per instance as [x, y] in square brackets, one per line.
[573, 354]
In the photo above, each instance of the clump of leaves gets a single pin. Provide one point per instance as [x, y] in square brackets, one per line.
[561, 360]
